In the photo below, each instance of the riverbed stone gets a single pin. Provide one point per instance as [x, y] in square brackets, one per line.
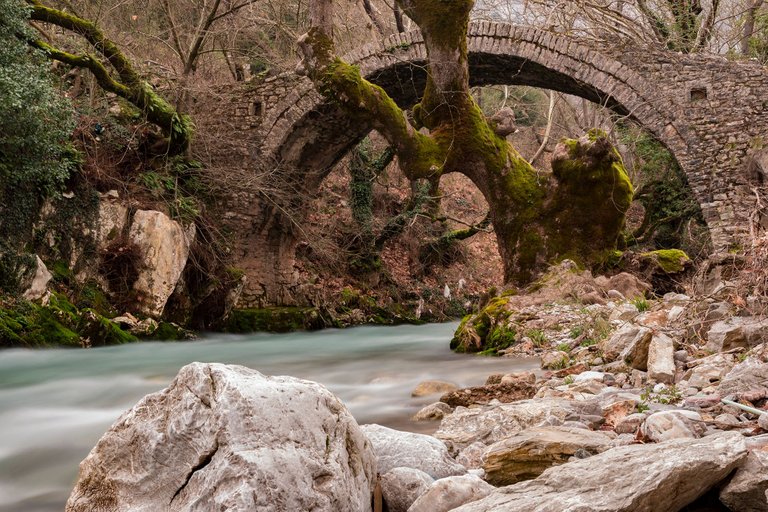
[661, 359]
[225, 437]
[433, 387]
[747, 491]
[736, 332]
[492, 423]
[163, 245]
[452, 492]
[400, 487]
[433, 412]
[396, 449]
[635, 478]
[630, 344]
[709, 371]
[676, 424]
[527, 454]
[748, 377]
[505, 392]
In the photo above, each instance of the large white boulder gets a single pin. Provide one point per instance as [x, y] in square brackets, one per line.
[164, 247]
[229, 438]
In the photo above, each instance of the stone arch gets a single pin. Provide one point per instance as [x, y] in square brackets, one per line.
[684, 100]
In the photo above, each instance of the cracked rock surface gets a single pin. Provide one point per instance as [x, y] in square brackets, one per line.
[225, 437]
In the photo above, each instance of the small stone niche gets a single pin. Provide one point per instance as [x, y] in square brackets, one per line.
[698, 94]
[256, 108]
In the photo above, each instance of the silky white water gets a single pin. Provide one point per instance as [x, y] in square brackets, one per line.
[55, 404]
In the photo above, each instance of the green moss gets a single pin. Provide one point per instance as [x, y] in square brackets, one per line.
[274, 319]
[670, 261]
[92, 296]
[29, 325]
[168, 331]
[100, 331]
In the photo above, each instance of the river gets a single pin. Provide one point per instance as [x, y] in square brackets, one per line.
[55, 404]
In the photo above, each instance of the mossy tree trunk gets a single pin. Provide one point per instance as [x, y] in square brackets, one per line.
[125, 81]
[577, 211]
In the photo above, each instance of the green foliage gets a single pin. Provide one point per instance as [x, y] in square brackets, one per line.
[758, 43]
[564, 347]
[568, 380]
[668, 395]
[35, 126]
[671, 211]
[538, 337]
[640, 303]
[178, 185]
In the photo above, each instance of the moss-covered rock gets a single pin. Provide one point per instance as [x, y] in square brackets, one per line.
[487, 331]
[274, 319]
[98, 331]
[669, 261]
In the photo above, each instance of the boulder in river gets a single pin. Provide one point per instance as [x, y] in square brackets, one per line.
[223, 437]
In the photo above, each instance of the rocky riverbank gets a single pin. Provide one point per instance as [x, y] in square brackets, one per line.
[640, 405]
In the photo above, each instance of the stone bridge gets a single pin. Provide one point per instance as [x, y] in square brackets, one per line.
[710, 112]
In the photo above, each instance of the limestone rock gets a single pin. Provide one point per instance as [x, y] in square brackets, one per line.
[37, 285]
[113, 216]
[624, 312]
[629, 285]
[709, 370]
[749, 376]
[164, 247]
[493, 423]
[433, 387]
[636, 478]
[433, 412]
[400, 487]
[629, 343]
[630, 423]
[505, 392]
[661, 359]
[226, 437]
[676, 424]
[527, 454]
[396, 449]
[555, 360]
[748, 489]
[449, 493]
[736, 332]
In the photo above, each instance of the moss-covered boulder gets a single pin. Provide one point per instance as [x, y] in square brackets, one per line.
[98, 331]
[487, 331]
[274, 319]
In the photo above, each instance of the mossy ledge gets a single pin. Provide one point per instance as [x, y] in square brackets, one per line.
[24, 324]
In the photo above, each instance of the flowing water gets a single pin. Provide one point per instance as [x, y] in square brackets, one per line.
[55, 404]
